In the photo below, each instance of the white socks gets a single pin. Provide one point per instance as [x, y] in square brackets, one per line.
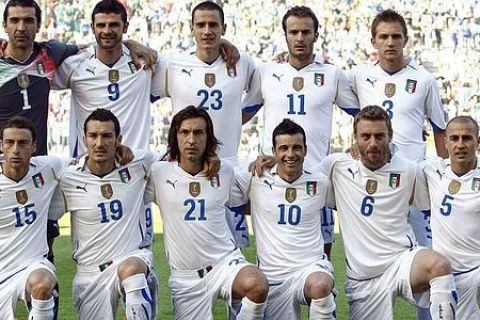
[138, 301]
[41, 309]
[443, 303]
[251, 310]
[323, 308]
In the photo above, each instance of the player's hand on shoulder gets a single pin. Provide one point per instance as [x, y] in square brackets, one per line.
[262, 163]
[124, 155]
[3, 46]
[282, 57]
[230, 54]
[142, 55]
[211, 166]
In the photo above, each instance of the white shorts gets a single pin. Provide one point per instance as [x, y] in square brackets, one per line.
[194, 292]
[96, 293]
[284, 300]
[12, 285]
[420, 223]
[468, 285]
[374, 298]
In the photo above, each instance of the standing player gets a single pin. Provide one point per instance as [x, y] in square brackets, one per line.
[450, 189]
[28, 67]
[409, 94]
[203, 79]
[304, 90]
[204, 260]
[104, 76]
[27, 185]
[285, 211]
[373, 197]
[105, 202]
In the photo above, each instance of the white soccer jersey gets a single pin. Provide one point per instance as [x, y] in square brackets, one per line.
[306, 96]
[373, 210]
[193, 213]
[105, 211]
[455, 208]
[409, 96]
[122, 89]
[24, 212]
[214, 87]
[286, 221]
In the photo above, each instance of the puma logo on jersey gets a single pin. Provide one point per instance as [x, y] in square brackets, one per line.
[84, 188]
[91, 70]
[187, 72]
[278, 77]
[269, 184]
[440, 174]
[352, 173]
[372, 81]
[172, 183]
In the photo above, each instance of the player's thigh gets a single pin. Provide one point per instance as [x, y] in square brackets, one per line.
[191, 296]
[468, 285]
[10, 291]
[39, 271]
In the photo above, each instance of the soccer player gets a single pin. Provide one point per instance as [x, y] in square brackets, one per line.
[105, 202]
[27, 185]
[104, 76]
[204, 260]
[450, 188]
[304, 90]
[204, 79]
[286, 203]
[409, 94]
[373, 196]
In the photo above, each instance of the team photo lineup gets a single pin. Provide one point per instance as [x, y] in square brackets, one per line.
[252, 154]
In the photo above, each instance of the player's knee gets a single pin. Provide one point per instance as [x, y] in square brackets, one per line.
[130, 267]
[255, 286]
[40, 284]
[317, 289]
[440, 266]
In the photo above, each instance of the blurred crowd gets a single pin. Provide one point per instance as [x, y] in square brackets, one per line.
[444, 37]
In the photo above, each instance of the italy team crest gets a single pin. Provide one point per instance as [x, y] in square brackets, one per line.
[132, 67]
[40, 68]
[454, 186]
[231, 72]
[210, 79]
[291, 194]
[394, 180]
[311, 187]
[390, 89]
[319, 79]
[23, 80]
[22, 196]
[297, 83]
[38, 180]
[371, 186]
[124, 175]
[113, 75]
[107, 191]
[476, 184]
[215, 181]
[194, 189]
[411, 86]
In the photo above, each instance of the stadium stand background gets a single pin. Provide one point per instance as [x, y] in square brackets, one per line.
[444, 37]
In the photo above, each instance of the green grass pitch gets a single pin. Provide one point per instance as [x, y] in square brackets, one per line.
[66, 269]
